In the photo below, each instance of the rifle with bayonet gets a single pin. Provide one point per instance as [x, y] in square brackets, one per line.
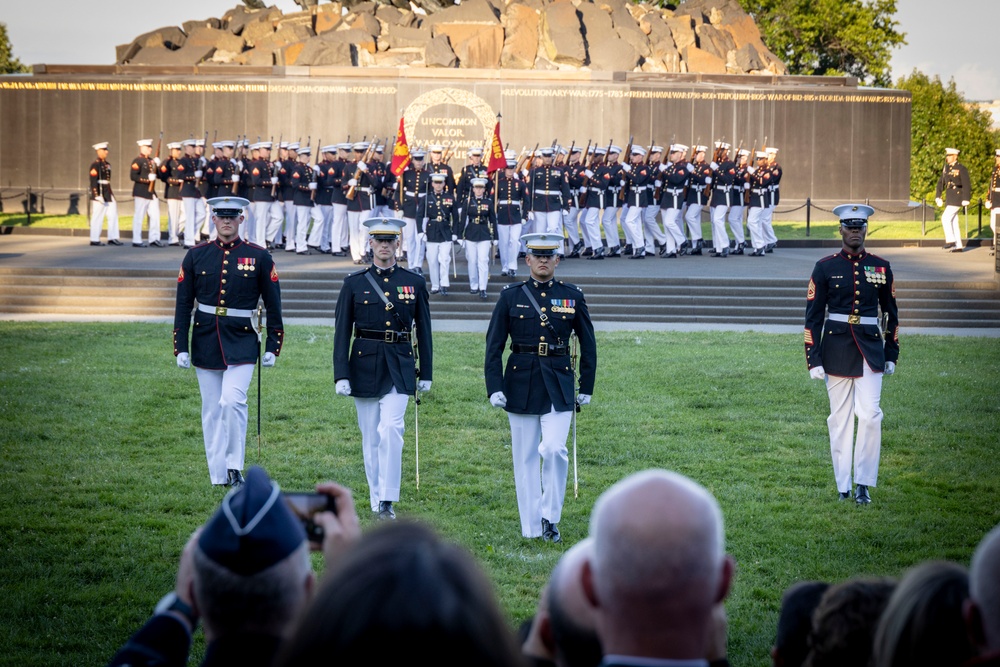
[365, 157]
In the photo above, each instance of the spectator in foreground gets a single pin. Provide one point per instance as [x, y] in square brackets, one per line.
[659, 569]
[791, 643]
[844, 623]
[922, 626]
[403, 596]
[982, 611]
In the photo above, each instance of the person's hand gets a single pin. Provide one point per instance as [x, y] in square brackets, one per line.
[583, 399]
[198, 173]
[658, 183]
[183, 360]
[988, 203]
[313, 185]
[239, 164]
[341, 529]
[267, 359]
[708, 180]
[156, 161]
[751, 170]
[746, 186]
[583, 189]
[627, 168]
[890, 367]
[362, 166]
[663, 166]
[817, 373]
[236, 178]
[353, 182]
[422, 237]
[317, 169]
[276, 164]
[690, 168]
[714, 165]
[343, 388]
[454, 238]
[495, 242]
[274, 180]
[531, 215]
[498, 400]
[938, 202]
[965, 202]
[423, 385]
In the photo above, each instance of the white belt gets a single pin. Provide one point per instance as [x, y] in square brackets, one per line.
[104, 182]
[552, 193]
[996, 189]
[675, 191]
[852, 319]
[758, 191]
[509, 203]
[365, 189]
[222, 311]
[414, 194]
[598, 190]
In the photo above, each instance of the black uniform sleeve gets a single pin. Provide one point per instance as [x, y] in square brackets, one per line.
[425, 336]
[185, 304]
[815, 316]
[584, 329]
[270, 292]
[342, 329]
[496, 340]
[887, 302]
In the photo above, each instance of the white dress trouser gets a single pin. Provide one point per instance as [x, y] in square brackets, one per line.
[609, 220]
[224, 418]
[319, 235]
[550, 222]
[651, 228]
[478, 255]
[303, 216]
[571, 226]
[720, 240]
[592, 227]
[673, 226]
[736, 223]
[288, 228]
[850, 397]
[540, 485]
[194, 216]
[175, 210]
[510, 240]
[949, 220]
[632, 224]
[98, 211]
[358, 233]
[340, 237]
[693, 219]
[755, 227]
[439, 263]
[267, 221]
[381, 421]
[142, 207]
[766, 227]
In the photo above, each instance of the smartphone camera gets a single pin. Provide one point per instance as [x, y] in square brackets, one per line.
[305, 505]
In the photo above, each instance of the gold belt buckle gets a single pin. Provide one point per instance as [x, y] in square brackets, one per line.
[390, 336]
[854, 319]
[220, 311]
[543, 349]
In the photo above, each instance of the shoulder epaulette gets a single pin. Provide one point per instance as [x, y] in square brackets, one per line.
[571, 286]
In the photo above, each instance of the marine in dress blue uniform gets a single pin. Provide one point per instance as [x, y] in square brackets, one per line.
[142, 173]
[992, 198]
[479, 235]
[954, 186]
[226, 277]
[674, 176]
[697, 197]
[536, 389]
[380, 311]
[102, 198]
[848, 348]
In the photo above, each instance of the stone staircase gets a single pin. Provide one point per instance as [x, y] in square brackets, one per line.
[312, 294]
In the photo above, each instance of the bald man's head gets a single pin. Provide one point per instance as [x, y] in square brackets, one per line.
[572, 618]
[984, 591]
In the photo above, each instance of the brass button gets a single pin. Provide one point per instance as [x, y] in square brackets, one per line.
[543, 307]
[385, 280]
[543, 295]
[541, 338]
[856, 292]
[387, 324]
[225, 262]
[227, 252]
[366, 303]
[222, 292]
[222, 303]
[522, 317]
[387, 294]
[223, 281]
[224, 271]
[856, 303]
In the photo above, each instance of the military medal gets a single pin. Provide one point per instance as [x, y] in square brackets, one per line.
[246, 264]
[875, 274]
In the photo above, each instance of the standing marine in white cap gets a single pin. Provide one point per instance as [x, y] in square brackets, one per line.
[143, 174]
[102, 199]
[850, 346]
[993, 196]
[954, 185]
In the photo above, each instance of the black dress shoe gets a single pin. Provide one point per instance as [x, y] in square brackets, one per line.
[759, 252]
[435, 290]
[628, 249]
[670, 255]
[588, 252]
[956, 249]
[175, 243]
[862, 497]
[157, 244]
[638, 255]
[444, 291]
[521, 255]
[769, 247]
[844, 495]
[724, 253]
[573, 255]
[739, 249]
[140, 245]
[473, 291]
[235, 479]
[339, 253]
[97, 243]
[947, 246]
[598, 254]
[304, 252]
[614, 252]
[482, 294]
[550, 531]
[385, 511]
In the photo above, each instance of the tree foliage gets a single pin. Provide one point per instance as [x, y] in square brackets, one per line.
[941, 118]
[8, 63]
[831, 37]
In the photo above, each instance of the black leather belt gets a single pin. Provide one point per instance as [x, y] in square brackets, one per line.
[542, 350]
[387, 336]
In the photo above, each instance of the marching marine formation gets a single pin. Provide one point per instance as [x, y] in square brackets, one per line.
[538, 317]
[226, 277]
[381, 312]
[852, 347]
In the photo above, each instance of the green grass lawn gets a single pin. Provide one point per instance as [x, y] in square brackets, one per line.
[104, 473]
[785, 230]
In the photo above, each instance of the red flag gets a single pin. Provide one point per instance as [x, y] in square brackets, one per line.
[401, 153]
[497, 158]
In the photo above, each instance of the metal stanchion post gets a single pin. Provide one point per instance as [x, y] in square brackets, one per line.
[27, 205]
[979, 231]
[808, 214]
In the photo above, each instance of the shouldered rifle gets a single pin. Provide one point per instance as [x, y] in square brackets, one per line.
[367, 155]
[529, 160]
[314, 175]
[152, 181]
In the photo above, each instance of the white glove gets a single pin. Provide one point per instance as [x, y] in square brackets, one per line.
[714, 166]
[239, 165]
[276, 164]
[589, 173]
[343, 387]
[690, 167]
[525, 172]
[817, 373]
[317, 169]
[890, 368]
[198, 173]
[156, 161]
[313, 185]
[454, 237]
[988, 203]
[274, 180]
[583, 189]
[938, 202]
[495, 242]
[353, 182]
[622, 183]
[498, 400]
[267, 359]
[99, 199]
[965, 202]
[746, 186]
[183, 360]
[531, 215]
[627, 168]
[708, 180]
[658, 184]
[422, 237]
[236, 178]
[583, 399]
[663, 166]
[423, 385]
[362, 166]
